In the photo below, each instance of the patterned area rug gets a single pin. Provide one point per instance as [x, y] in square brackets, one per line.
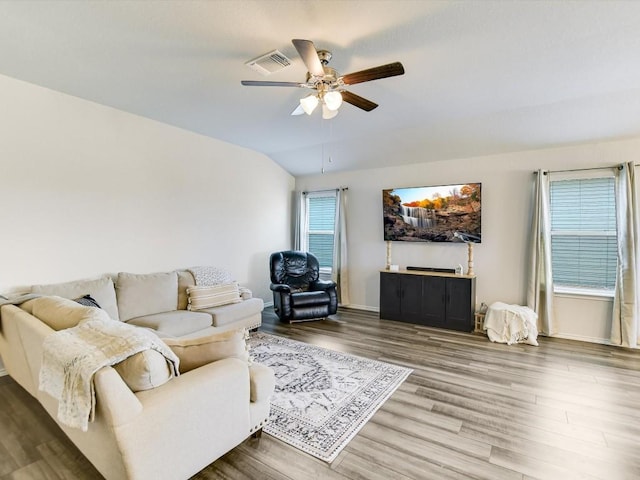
[322, 397]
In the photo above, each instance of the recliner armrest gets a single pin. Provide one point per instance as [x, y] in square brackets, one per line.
[279, 287]
[322, 285]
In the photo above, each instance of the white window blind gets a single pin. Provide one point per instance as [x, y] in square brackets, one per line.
[583, 233]
[321, 208]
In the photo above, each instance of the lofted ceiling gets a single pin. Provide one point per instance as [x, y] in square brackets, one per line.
[482, 77]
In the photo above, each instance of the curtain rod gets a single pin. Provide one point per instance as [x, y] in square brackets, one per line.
[327, 190]
[619, 167]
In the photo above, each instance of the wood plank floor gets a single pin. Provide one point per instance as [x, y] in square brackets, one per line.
[470, 410]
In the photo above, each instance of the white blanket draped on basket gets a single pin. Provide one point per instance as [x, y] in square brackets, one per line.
[72, 356]
[509, 324]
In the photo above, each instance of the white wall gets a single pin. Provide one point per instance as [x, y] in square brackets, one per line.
[86, 189]
[500, 260]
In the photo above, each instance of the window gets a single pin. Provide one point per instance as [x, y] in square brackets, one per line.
[584, 249]
[321, 211]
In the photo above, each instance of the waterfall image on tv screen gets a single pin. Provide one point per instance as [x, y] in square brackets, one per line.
[445, 213]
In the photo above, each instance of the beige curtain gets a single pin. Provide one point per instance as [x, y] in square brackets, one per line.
[340, 270]
[540, 284]
[624, 326]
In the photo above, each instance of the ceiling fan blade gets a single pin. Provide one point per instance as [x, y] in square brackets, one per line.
[298, 111]
[260, 83]
[383, 71]
[358, 101]
[309, 55]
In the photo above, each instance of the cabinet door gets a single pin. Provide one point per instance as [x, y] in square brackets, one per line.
[433, 301]
[390, 296]
[411, 297]
[459, 304]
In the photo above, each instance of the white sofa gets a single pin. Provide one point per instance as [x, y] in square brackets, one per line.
[158, 301]
[171, 431]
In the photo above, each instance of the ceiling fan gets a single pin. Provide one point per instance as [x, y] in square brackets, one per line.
[328, 84]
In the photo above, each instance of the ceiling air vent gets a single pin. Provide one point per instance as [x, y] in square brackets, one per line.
[269, 63]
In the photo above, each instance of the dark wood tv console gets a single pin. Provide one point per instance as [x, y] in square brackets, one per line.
[433, 299]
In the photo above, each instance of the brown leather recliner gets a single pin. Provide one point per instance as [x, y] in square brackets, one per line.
[298, 292]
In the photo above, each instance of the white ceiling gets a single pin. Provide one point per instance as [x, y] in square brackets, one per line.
[481, 77]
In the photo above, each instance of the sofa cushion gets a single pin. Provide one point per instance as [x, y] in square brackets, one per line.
[226, 314]
[60, 313]
[175, 323]
[213, 296]
[102, 289]
[144, 370]
[146, 294]
[195, 352]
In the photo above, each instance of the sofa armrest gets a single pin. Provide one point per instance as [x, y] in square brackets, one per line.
[21, 346]
[119, 405]
[114, 399]
[262, 380]
[204, 411]
[280, 287]
[245, 293]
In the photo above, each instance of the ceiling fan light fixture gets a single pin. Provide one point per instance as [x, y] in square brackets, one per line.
[327, 113]
[328, 84]
[309, 103]
[333, 100]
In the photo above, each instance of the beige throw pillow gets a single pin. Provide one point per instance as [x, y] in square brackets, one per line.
[194, 353]
[60, 313]
[213, 296]
[144, 370]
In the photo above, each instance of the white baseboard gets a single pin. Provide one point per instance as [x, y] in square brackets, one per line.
[582, 338]
[363, 307]
[3, 372]
[351, 305]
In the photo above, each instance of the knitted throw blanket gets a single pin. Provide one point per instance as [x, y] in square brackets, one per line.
[208, 276]
[72, 356]
[17, 299]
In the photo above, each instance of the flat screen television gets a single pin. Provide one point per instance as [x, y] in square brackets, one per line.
[441, 213]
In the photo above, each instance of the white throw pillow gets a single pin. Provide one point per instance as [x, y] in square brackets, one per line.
[213, 296]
